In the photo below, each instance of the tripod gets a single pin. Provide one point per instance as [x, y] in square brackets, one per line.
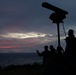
[58, 18]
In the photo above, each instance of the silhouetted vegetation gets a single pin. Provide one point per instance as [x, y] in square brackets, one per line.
[27, 69]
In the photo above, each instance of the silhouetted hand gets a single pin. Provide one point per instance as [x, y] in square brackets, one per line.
[37, 51]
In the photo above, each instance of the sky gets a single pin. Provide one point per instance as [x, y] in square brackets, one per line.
[25, 25]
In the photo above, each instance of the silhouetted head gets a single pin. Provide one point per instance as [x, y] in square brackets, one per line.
[46, 47]
[51, 46]
[71, 32]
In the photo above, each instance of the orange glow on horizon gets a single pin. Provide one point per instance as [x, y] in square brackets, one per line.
[9, 47]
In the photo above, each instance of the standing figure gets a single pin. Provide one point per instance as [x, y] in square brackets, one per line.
[45, 54]
[70, 43]
[52, 50]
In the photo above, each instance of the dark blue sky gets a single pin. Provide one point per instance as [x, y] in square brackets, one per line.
[25, 25]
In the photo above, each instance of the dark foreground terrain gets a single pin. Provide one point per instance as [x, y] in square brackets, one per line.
[55, 66]
[22, 70]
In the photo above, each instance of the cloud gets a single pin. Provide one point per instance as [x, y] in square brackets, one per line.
[26, 24]
[24, 35]
[24, 40]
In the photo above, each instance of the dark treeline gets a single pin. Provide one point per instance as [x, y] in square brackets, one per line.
[25, 66]
[27, 69]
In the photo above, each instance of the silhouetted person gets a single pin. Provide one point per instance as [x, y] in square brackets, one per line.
[70, 50]
[60, 51]
[52, 50]
[45, 54]
[70, 43]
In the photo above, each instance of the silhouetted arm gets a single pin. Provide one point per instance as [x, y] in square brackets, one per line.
[40, 54]
[66, 40]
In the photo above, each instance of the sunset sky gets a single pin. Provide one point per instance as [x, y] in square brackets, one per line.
[25, 25]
